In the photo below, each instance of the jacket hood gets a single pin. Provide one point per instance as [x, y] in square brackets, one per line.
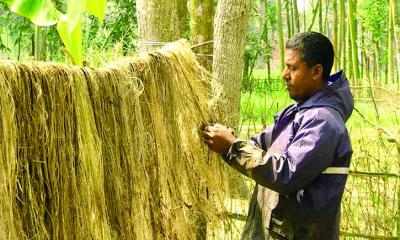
[336, 94]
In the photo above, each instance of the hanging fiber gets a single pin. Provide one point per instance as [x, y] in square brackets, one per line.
[108, 153]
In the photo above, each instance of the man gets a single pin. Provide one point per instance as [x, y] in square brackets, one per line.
[300, 164]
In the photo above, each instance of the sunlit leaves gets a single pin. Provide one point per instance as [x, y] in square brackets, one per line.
[373, 15]
[43, 13]
[40, 12]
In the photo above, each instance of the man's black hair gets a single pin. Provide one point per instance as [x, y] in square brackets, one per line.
[314, 48]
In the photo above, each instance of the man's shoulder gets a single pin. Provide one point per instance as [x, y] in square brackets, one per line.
[325, 114]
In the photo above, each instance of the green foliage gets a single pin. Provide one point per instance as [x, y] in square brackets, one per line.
[257, 43]
[13, 30]
[69, 26]
[121, 26]
[40, 12]
[373, 15]
[44, 13]
[270, 26]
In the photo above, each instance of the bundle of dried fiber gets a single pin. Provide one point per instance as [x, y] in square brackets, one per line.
[108, 153]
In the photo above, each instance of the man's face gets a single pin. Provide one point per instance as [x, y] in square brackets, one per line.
[300, 79]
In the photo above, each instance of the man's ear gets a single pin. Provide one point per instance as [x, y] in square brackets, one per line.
[318, 71]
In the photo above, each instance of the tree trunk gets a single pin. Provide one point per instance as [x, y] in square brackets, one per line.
[326, 27]
[182, 15]
[367, 65]
[262, 12]
[292, 17]
[229, 40]
[202, 29]
[394, 7]
[363, 54]
[40, 40]
[304, 17]
[296, 16]
[157, 23]
[335, 35]
[376, 63]
[349, 63]
[288, 23]
[265, 37]
[314, 11]
[280, 34]
[342, 33]
[321, 23]
[390, 68]
[353, 37]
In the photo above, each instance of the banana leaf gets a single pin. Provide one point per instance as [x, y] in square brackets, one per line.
[69, 25]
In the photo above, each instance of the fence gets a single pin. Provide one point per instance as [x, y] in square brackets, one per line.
[263, 84]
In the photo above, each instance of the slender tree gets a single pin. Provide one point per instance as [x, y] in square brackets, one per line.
[349, 63]
[304, 17]
[231, 24]
[363, 54]
[376, 63]
[353, 37]
[40, 43]
[395, 9]
[288, 18]
[390, 47]
[202, 29]
[326, 26]
[292, 17]
[315, 12]
[335, 34]
[320, 21]
[270, 23]
[342, 35]
[183, 16]
[296, 16]
[280, 34]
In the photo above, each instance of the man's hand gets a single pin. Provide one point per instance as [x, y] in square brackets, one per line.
[218, 138]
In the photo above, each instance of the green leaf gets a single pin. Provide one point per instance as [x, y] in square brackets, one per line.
[96, 8]
[40, 12]
[69, 25]
[75, 8]
[72, 39]
[8, 2]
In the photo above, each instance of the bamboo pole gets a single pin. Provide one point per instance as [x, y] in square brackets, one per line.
[280, 34]
[335, 35]
[296, 16]
[390, 66]
[342, 35]
[288, 17]
[320, 25]
[353, 37]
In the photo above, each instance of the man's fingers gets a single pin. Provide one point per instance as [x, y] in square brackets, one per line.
[208, 141]
[207, 135]
[217, 125]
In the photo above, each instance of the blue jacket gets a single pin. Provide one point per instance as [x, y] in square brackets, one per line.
[300, 165]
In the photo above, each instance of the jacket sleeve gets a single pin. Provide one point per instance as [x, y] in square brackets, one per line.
[263, 139]
[309, 153]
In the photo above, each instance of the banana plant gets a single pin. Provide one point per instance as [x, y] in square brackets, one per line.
[69, 25]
